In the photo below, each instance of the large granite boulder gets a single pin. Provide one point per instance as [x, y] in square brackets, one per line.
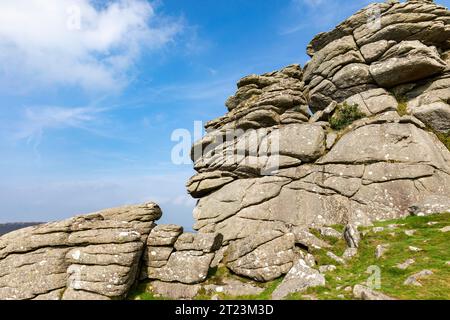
[264, 256]
[95, 256]
[387, 60]
[406, 62]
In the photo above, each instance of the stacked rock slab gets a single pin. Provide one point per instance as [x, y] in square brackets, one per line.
[274, 160]
[392, 47]
[95, 256]
[174, 256]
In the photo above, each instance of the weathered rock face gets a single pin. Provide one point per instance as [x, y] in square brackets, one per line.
[274, 160]
[174, 256]
[375, 171]
[383, 45]
[263, 257]
[96, 256]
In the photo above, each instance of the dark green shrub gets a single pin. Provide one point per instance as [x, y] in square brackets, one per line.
[345, 115]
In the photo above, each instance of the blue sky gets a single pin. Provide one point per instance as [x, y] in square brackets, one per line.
[91, 92]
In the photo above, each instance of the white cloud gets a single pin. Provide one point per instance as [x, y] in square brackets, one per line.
[76, 42]
[36, 120]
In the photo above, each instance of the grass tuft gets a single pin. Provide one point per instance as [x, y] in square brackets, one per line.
[444, 138]
[402, 108]
[345, 115]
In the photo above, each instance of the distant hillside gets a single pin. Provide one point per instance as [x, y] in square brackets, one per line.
[8, 227]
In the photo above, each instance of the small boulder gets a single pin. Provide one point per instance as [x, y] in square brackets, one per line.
[327, 268]
[349, 253]
[414, 279]
[436, 115]
[188, 267]
[365, 293]
[330, 232]
[339, 260]
[352, 236]
[405, 265]
[299, 278]
[380, 250]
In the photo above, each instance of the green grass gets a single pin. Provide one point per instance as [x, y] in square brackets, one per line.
[402, 108]
[345, 115]
[269, 288]
[444, 138]
[142, 292]
[436, 252]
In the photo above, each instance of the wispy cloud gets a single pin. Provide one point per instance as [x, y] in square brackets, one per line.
[38, 119]
[78, 42]
[309, 3]
[204, 90]
[319, 14]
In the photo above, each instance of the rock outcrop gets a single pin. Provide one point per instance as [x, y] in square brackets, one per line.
[275, 159]
[95, 256]
[351, 138]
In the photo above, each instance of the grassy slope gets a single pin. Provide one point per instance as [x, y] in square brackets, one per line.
[436, 252]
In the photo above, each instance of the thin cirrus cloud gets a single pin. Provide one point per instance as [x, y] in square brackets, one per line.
[320, 14]
[76, 42]
[36, 120]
